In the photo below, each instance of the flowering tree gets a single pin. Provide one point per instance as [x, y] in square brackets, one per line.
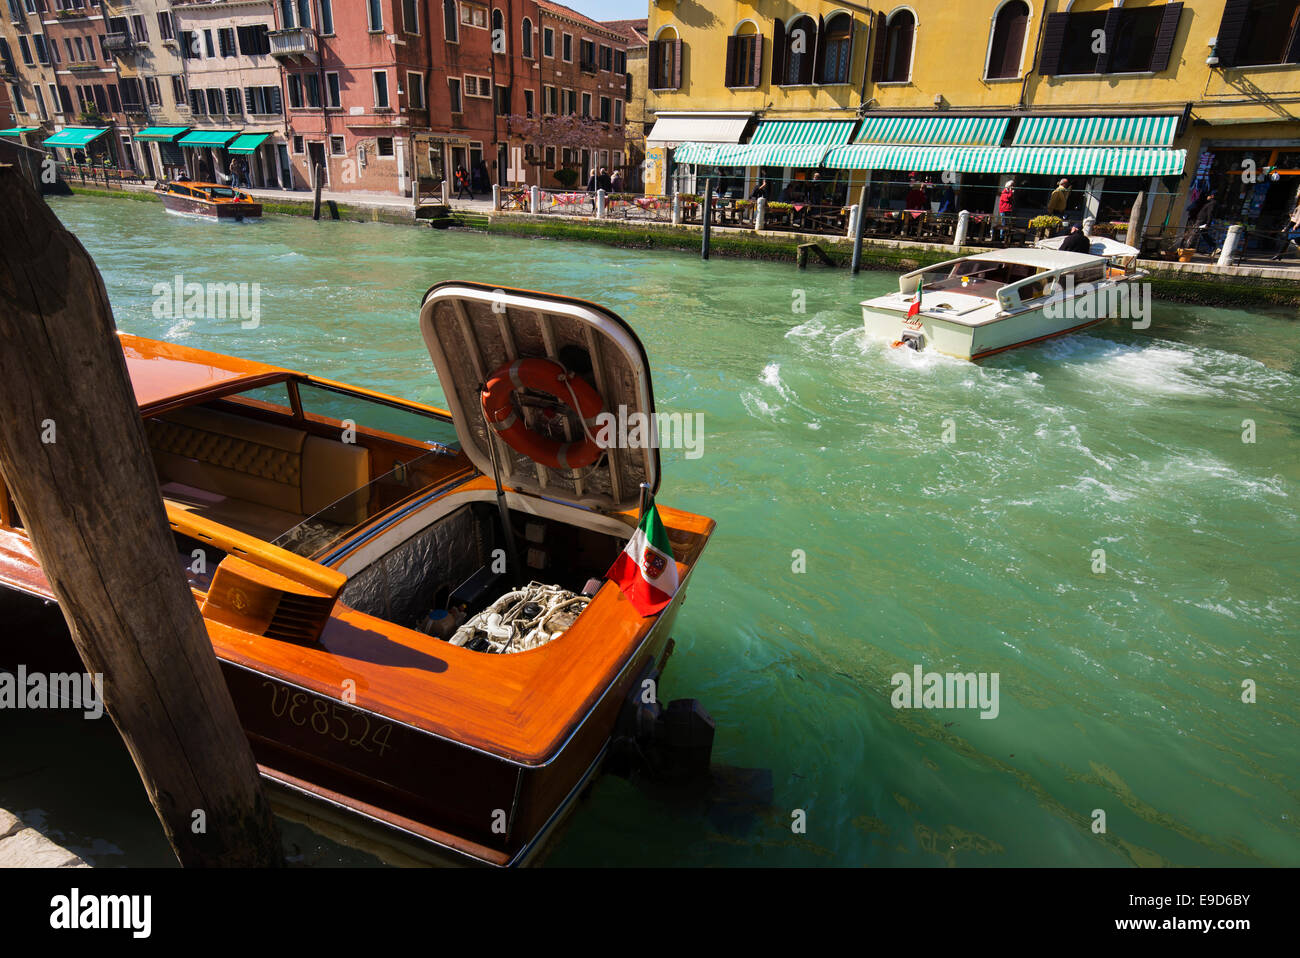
[572, 132]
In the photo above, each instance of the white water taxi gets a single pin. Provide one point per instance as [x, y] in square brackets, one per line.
[976, 306]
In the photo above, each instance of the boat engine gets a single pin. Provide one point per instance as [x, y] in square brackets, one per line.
[672, 744]
[914, 341]
[522, 619]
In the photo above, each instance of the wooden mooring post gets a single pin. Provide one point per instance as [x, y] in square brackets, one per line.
[859, 228]
[315, 205]
[74, 456]
[706, 209]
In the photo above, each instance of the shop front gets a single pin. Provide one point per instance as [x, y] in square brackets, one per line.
[1256, 183]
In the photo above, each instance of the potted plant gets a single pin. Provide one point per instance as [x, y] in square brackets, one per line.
[1045, 226]
[566, 176]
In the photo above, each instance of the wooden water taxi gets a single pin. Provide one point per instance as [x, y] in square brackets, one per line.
[208, 199]
[409, 612]
[977, 306]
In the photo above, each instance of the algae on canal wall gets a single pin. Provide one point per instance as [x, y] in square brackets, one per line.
[1204, 288]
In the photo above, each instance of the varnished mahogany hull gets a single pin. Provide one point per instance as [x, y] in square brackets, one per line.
[434, 797]
[468, 803]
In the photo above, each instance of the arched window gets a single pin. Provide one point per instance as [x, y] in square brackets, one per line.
[798, 47]
[527, 34]
[499, 33]
[837, 44]
[665, 60]
[1008, 40]
[449, 22]
[744, 56]
[894, 48]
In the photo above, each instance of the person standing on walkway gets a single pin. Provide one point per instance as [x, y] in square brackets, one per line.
[1006, 207]
[463, 183]
[1060, 197]
[1290, 231]
[616, 182]
[1198, 228]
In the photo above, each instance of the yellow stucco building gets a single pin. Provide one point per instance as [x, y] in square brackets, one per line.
[1121, 97]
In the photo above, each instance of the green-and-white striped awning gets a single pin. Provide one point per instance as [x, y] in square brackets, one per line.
[1071, 161]
[802, 132]
[933, 130]
[715, 154]
[1048, 161]
[797, 143]
[884, 156]
[1096, 131]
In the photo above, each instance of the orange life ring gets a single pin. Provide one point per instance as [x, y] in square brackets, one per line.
[548, 377]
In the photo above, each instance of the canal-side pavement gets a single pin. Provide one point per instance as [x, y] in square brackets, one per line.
[23, 846]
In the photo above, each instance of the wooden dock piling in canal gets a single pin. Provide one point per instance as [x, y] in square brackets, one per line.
[74, 457]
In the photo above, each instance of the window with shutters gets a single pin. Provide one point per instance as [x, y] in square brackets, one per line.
[744, 56]
[453, 90]
[1259, 33]
[234, 102]
[226, 41]
[797, 51]
[333, 93]
[216, 102]
[1134, 40]
[1007, 42]
[900, 30]
[837, 49]
[526, 35]
[295, 91]
[665, 60]
[1118, 40]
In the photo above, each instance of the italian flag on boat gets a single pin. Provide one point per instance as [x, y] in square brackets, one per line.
[645, 570]
[916, 306]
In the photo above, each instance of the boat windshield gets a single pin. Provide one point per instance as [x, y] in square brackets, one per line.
[402, 482]
[224, 193]
[978, 277]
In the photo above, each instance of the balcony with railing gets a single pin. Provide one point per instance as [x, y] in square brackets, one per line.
[293, 44]
[120, 43]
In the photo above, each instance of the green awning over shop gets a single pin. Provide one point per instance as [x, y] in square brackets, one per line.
[883, 156]
[74, 136]
[1050, 161]
[248, 142]
[802, 132]
[1096, 131]
[933, 130]
[167, 134]
[1057, 161]
[208, 137]
[18, 130]
[796, 142]
[714, 154]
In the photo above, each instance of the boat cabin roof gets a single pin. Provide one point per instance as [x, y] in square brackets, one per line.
[1043, 259]
[164, 375]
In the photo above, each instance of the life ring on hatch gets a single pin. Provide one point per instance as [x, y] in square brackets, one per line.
[548, 377]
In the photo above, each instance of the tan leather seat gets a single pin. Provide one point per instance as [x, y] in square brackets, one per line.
[261, 478]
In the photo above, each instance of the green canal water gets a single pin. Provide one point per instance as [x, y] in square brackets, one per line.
[1120, 690]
